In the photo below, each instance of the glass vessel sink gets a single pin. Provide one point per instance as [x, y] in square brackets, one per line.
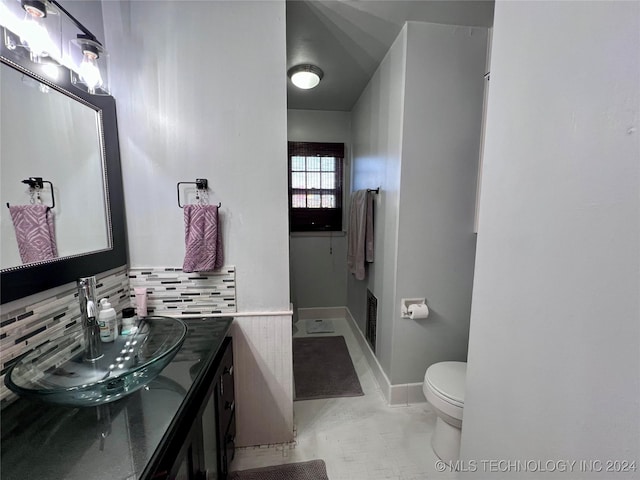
[56, 371]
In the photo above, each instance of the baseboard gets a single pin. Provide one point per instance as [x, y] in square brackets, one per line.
[395, 395]
[406, 394]
[322, 312]
[376, 368]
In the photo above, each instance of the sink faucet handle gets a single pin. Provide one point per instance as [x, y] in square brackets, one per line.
[91, 309]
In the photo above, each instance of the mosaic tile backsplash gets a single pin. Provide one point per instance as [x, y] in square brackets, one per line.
[26, 328]
[170, 291]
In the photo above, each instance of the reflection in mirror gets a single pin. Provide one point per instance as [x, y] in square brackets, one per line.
[82, 163]
[48, 134]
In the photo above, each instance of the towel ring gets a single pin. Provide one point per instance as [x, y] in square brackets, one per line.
[200, 183]
[37, 183]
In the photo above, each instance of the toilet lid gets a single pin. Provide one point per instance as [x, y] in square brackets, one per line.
[448, 379]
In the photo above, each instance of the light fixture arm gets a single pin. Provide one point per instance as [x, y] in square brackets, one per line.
[77, 23]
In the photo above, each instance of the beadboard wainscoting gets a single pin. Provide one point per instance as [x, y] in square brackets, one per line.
[262, 353]
[30, 322]
[170, 291]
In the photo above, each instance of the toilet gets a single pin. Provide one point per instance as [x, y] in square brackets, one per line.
[443, 386]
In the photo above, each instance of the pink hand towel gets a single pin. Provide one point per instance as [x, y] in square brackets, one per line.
[203, 239]
[34, 232]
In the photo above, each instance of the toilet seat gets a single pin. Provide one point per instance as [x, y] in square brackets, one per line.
[444, 385]
[447, 380]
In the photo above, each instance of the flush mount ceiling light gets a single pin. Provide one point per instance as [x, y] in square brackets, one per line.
[305, 76]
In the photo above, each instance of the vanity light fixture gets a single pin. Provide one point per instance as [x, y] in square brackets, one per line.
[305, 76]
[89, 74]
[33, 35]
[32, 25]
[34, 30]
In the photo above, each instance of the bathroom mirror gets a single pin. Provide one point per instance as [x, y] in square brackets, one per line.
[35, 126]
[52, 130]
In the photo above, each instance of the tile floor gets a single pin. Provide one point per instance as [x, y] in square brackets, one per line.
[359, 438]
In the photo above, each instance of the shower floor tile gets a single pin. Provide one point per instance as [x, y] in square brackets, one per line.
[359, 438]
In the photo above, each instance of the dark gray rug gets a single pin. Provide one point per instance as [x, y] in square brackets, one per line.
[312, 470]
[322, 368]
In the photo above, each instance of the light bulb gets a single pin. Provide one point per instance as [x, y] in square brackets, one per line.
[35, 35]
[89, 71]
[305, 80]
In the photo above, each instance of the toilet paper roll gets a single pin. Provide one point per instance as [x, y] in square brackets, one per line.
[418, 310]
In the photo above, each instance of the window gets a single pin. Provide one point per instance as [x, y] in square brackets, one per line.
[315, 186]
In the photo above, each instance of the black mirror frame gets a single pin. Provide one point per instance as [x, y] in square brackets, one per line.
[24, 281]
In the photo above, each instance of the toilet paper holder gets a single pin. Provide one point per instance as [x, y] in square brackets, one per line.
[406, 302]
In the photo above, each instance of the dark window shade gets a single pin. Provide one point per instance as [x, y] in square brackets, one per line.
[311, 149]
[315, 186]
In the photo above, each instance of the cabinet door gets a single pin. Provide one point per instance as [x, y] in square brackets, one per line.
[225, 392]
[230, 443]
[210, 438]
[225, 409]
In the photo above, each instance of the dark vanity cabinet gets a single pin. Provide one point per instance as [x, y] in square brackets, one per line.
[201, 444]
[225, 409]
[180, 426]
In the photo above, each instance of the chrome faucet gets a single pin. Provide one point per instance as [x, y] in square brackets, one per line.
[89, 313]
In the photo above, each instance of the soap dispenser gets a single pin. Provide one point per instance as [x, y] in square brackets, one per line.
[107, 322]
[128, 320]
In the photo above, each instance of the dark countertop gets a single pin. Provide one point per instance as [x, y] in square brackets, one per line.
[114, 441]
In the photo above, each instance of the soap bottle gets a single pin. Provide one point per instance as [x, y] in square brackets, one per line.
[107, 321]
[128, 320]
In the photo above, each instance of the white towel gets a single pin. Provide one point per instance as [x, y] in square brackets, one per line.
[360, 246]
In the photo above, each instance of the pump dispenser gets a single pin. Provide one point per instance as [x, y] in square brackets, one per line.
[128, 320]
[107, 322]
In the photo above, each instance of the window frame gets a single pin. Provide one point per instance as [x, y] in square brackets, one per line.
[320, 219]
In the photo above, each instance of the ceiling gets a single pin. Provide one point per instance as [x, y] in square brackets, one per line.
[348, 39]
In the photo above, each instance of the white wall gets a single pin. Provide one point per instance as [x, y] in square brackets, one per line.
[189, 106]
[183, 75]
[554, 356]
[318, 261]
[319, 126]
[376, 142]
[436, 244]
[416, 134]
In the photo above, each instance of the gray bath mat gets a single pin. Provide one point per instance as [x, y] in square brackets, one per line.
[312, 470]
[322, 368]
[319, 325]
